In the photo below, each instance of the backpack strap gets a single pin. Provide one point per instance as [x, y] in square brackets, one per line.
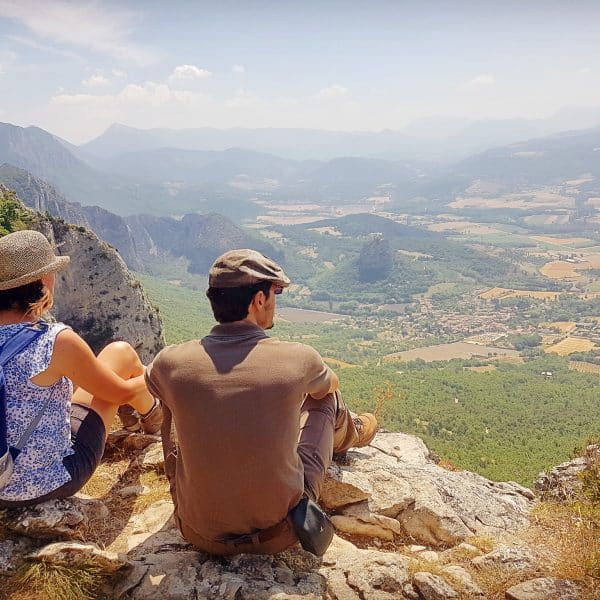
[20, 340]
[16, 449]
[13, 346]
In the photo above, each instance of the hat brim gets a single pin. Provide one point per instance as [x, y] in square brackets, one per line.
[58, 264]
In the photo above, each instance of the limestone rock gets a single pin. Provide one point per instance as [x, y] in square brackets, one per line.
[373, 575]
[563, 482]
[98, 296]
[154, 527]
[513, 486]
[75, 554]
[191, 574]
[12, 554]
[435, 507]
[358, 520]
[354, 526]
[430, 521]
[506, 557]
[123, 585]
[133, 490]
[337, 494]
[170, 575]
[429, 556]
[409, 592]
[544, 588]
[153, 458]
[54, 519]
[433, 587]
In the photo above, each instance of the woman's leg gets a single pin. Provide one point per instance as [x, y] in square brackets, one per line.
[124, 361]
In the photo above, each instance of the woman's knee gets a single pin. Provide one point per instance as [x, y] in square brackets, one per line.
[122, 358]
[120, 348]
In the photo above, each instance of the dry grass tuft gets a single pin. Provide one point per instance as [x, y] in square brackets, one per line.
[159, 490]
[484, 543]
[444, 463]
[464, 554]
[43, 581]
[495, 580]
[418, 565]
[571, 531]
[383, 396]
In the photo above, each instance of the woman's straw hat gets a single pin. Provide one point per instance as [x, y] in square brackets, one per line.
[27, 256]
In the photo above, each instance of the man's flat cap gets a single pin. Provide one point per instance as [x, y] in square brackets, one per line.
[238, 268]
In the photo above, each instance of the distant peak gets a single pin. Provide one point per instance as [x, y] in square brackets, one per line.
[119, 127]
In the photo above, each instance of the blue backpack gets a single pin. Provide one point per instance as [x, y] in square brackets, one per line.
[13, 346]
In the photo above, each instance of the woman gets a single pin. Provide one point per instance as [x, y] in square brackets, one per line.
[82, 391]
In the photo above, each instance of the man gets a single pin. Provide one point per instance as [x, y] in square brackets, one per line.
[256, 420]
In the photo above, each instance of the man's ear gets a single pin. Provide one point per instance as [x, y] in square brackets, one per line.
[257, 300]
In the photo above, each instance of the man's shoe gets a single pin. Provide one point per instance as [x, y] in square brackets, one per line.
[129, 418]
[151, 422]
[366, 427]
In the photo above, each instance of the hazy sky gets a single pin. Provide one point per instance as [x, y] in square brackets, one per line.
[76, 67]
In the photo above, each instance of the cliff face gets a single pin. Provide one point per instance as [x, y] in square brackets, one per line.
[199, 238]
[139, 239]
[98, 296]
[42, 197]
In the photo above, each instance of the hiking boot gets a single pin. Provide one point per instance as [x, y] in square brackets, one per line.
[130, 419]
[151, 422]
[366, 427]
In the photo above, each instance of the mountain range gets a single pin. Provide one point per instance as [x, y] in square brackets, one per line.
[173, 181]
[552, 159]
[431, 139]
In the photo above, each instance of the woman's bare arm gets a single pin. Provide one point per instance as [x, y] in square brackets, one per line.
[73, 358]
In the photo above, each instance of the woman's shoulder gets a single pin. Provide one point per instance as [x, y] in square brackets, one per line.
[55, 336]
[55, 326]
[51, 330]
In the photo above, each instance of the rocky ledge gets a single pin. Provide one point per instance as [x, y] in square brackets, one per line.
[407, 528]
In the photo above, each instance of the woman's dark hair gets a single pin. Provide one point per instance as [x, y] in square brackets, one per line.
[22, 298]
[231, 304]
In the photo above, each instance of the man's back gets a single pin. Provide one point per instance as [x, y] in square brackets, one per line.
[236, 397]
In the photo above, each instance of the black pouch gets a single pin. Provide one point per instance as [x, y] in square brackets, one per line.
[312, 526]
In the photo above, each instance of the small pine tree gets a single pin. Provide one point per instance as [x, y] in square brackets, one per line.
[13, 215]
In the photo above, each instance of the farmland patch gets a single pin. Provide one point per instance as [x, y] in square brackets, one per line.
[584, 367]
[577, 242]
[562, 326]
[499, 292]
[450, 351]
[302, 315]
[570, 345]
